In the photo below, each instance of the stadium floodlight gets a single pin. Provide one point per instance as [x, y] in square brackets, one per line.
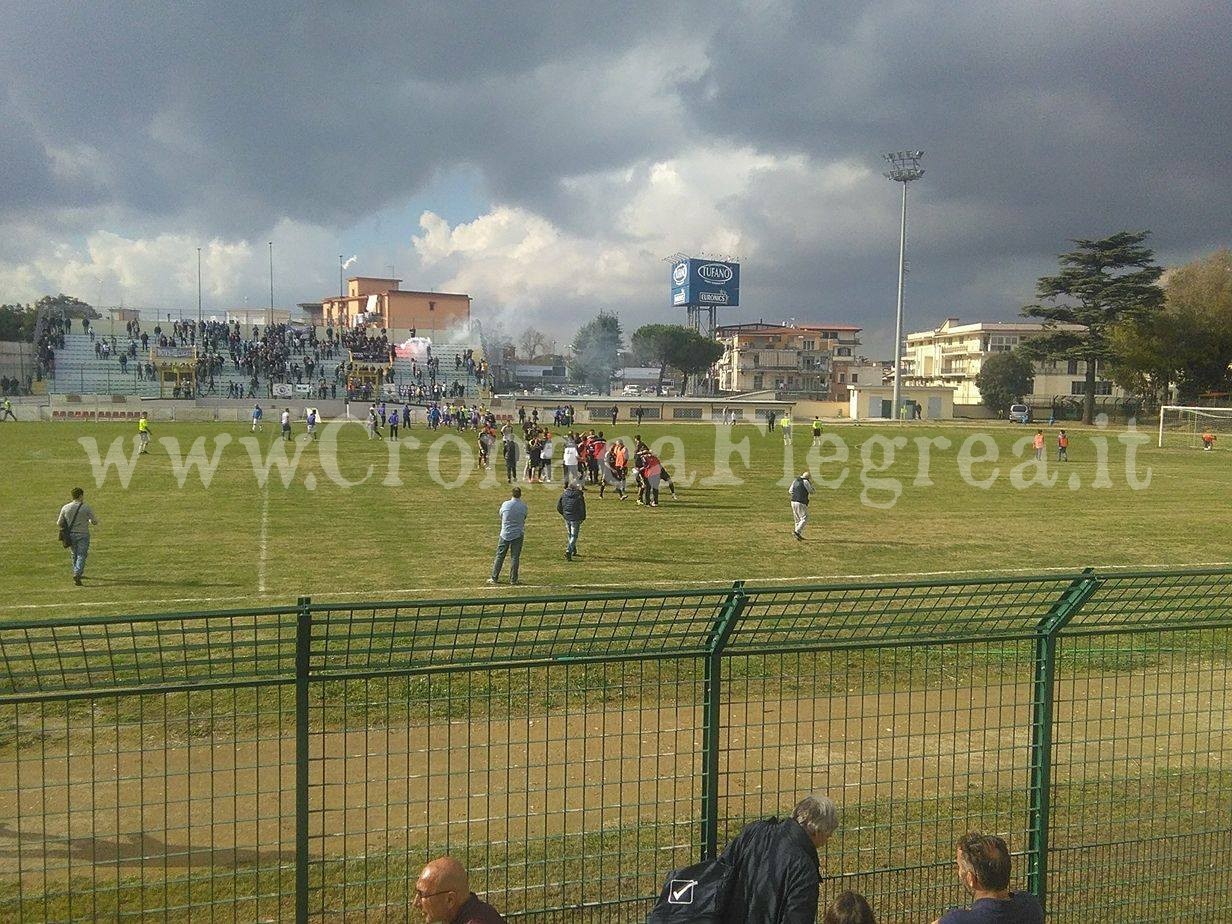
[904, 167]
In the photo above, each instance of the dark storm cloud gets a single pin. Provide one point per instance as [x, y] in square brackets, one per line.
[1050, 121]
[234, 111]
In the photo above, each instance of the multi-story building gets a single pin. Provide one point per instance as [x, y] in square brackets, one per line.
[380, 302]
[804, 359]
[954, 353]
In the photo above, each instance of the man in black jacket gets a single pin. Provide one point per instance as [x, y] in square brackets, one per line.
[776, 865]
[572, 506]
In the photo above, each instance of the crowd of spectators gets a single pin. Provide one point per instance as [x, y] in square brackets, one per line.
[276, 354]
[15, 386]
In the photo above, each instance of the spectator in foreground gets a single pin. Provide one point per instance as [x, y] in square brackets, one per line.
[776, 865]
[849, 908]
[984, 871]
[443, 896]
[74, 524]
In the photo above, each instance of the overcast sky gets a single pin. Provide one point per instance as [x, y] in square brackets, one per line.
[545, 157]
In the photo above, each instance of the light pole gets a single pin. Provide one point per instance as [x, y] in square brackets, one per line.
[198, 288]
[904, 167]
[270, 320]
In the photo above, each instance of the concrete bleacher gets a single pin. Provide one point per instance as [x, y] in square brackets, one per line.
[80, 372]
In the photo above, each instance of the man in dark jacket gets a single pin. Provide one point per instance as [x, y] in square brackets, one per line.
[572, 506]
[443, 893]
[776, 865]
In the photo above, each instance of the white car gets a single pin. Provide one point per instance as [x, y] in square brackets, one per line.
[632, 391]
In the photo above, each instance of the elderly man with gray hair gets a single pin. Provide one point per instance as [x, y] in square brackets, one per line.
[777, 870]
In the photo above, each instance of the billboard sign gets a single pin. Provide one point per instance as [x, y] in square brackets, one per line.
[705, 282]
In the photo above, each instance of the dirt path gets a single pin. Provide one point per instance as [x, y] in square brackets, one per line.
[116, 804]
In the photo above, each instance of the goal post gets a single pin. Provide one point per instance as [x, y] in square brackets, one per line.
[1181, 426]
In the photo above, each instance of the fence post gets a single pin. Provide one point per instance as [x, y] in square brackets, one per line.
[1042, 696]
[303, 649]
[712, 694]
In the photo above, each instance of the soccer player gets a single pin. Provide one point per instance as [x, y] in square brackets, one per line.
[1038, 442]
[286, 423]
[393, 425]
[374, 430]
[256, 417]
[1208, 440]
[6, 410]
[143, 431]
[816, 431]
[312, 422]
[786, 428]
[1062, 447]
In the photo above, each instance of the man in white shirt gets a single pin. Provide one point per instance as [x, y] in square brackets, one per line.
[545, 456]
[286, 424]
[571, 462]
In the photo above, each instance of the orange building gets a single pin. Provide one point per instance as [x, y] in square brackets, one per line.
[382, 303]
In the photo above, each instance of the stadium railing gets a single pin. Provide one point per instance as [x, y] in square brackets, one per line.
[302, 762]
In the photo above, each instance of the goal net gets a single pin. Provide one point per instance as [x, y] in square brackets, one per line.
[1182, 427]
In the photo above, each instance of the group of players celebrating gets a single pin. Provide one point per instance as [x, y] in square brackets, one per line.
[585, 458]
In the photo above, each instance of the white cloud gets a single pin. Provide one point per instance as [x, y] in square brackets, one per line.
[527, 269]
[161, 271]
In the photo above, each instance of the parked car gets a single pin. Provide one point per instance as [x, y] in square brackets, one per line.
[631, 391]
[1020, 413]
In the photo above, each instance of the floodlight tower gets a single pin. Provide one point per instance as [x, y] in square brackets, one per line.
[904, 167]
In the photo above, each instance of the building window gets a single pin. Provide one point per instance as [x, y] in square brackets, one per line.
[842, 378]
[1072, 368]
[844, 351]
[432, 306]
[686, 413]
[757, 382]
[855, 378]
[810, 344]
[756, 360]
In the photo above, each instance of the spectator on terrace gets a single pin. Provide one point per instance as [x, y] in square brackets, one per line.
[984, 871]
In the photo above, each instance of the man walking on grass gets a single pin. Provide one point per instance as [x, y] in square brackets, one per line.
[572, 507]
[74, 524]
[513, 513]
[800, 491]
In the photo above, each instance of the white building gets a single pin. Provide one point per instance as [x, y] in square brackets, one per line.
[954, 353]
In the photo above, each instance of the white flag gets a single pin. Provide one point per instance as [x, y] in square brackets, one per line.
[349, 263]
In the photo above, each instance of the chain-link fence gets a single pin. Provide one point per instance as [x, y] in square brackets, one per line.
[303, 762]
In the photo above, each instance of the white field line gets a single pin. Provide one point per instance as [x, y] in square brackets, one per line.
[394, 592]
[264, 541]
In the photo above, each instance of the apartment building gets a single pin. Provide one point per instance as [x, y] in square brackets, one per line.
[954, 353]
[804, 359]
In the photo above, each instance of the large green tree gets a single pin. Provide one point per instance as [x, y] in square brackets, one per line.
[1003, 379]
[658, 344]
[695, 355]
[1101, 284]
[594, 354]
[1189, 343]
[66, 305]
[16, 322]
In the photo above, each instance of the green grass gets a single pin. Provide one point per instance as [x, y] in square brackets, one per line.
[163, 547]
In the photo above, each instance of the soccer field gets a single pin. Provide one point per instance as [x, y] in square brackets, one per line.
[347, 518]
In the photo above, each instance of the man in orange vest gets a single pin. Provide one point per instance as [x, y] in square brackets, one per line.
[1208, 441]
[1062, 447]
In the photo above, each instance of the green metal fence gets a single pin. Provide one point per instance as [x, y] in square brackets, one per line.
[302, 762]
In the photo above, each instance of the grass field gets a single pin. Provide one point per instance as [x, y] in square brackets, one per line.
[425, 524]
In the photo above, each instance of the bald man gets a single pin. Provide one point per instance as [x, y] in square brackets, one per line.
[443, 895]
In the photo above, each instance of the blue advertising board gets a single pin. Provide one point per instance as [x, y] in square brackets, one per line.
[705, 282]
